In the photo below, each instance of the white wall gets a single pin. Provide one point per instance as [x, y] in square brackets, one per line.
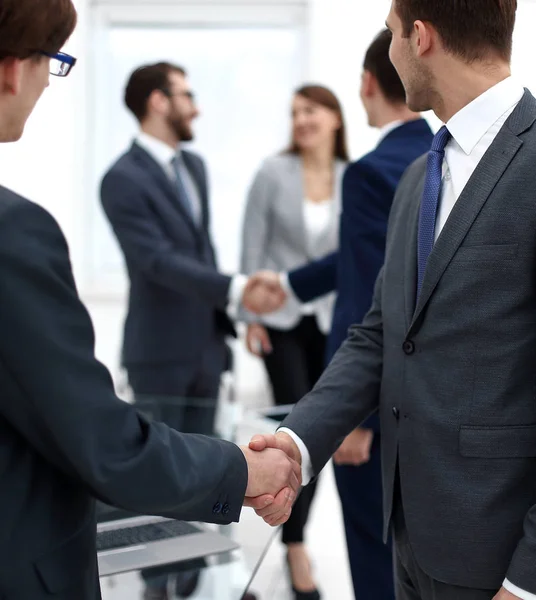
[48, 165]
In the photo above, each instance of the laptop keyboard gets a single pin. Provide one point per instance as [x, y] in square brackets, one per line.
[143, 534]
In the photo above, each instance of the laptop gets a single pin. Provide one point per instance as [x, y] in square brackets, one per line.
[130, 542]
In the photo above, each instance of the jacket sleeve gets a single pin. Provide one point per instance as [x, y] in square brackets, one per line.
[348, 391]
[146, 246]
[315, 279]
[61, 400]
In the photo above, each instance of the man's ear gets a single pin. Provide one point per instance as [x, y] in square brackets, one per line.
[369, 84]
[425, 37]
[158, 102]
[11, 75]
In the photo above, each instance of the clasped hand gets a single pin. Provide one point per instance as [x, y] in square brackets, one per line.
[263, 293]
[274, 468]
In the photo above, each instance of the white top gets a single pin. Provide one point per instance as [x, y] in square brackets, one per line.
[317, 218]
[473, 130]
[164, 155]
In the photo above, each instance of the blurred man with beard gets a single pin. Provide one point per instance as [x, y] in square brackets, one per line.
[156, 199]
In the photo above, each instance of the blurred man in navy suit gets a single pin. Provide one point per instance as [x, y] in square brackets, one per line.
[368, 190]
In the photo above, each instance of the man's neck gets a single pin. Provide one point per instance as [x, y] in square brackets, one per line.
[161, 133]
[462, 84]
[394, 114]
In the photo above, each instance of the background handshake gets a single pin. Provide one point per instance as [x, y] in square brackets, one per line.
[264, 293]
[274, 476]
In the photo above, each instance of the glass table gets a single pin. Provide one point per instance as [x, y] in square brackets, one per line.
[228, 576]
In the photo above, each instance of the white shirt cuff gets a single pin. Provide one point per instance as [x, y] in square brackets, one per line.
[236, 292]
[513, 589]
[284, 281]
[306, 464]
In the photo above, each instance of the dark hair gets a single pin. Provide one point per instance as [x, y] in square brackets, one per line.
[144, 81]
[321, 95]
[28, 27]
[471, 29]
[378, 63]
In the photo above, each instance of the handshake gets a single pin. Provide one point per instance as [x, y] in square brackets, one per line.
[274, 476]
[264, 293]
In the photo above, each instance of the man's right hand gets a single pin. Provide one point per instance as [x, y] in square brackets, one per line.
[277, 512]
[274, 482]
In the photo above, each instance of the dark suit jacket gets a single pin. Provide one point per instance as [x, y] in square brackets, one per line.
[369, 187]
[66, 438]
[453, 376]
[177, 296]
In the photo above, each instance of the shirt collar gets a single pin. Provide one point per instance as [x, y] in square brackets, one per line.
[160, 151]
[471, 123]
[386, 129]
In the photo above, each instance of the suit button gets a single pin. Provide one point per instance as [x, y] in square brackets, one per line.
[217, 508]
[226, 509]
[408, 347]
[396, 413]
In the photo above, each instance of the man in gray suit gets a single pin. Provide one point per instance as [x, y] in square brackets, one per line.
[447, 349]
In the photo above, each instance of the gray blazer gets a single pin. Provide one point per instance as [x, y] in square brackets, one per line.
[454, 377]
[275, 237]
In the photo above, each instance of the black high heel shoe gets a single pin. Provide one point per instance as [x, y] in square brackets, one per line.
[312, 595]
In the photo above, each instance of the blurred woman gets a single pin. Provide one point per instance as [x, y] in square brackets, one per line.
[292, 217]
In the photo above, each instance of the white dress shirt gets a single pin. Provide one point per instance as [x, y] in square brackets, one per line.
[473, 130]
[164, 155]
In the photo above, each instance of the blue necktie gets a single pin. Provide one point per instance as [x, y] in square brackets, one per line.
[430, 202]
[184, 197]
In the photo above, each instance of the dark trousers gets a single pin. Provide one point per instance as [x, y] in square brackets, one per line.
[185, 398]
[371, 561]
[293, 367]
[412, 583]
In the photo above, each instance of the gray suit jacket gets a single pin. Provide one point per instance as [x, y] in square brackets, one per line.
[454, 376]
[275, 236]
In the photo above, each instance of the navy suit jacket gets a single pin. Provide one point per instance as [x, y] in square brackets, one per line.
[368, 190]
[177, 296]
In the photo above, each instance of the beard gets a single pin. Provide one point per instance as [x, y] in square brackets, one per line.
[420, 89]
[182, 129]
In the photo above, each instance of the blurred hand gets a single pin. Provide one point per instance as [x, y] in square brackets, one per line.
[258, 340]
[263, 293]
[274, 482]
[276, 513]
[505, 595]
[355, 450]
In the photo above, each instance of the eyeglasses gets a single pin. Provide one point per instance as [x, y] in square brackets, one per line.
[188, 94]
[60, 64]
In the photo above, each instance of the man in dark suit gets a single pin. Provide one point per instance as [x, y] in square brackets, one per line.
[368, 190]
[65, 437]
[446, 350]
[156, 199]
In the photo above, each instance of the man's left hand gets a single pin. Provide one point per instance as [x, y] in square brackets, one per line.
[505, 595]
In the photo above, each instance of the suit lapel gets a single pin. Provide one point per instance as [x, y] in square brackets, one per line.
[410, 276]
[161, 180]
[296, 207]
[196, 171]
[473, 198]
